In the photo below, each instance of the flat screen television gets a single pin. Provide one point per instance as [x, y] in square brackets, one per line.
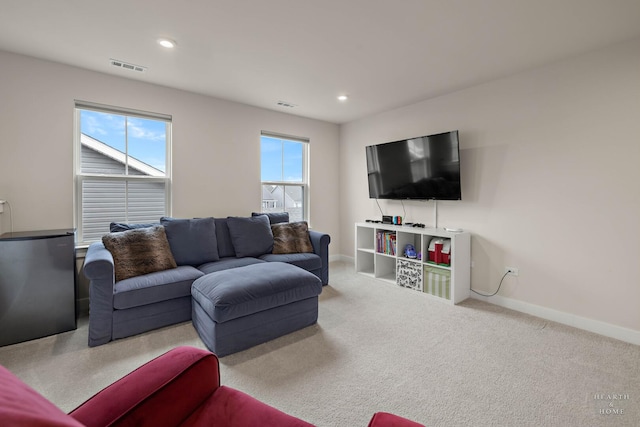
[423, 168]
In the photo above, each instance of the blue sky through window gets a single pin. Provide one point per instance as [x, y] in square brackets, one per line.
[147, 138]
[281, 159]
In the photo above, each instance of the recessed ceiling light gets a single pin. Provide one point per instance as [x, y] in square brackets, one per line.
[342, 98]
[168, 43]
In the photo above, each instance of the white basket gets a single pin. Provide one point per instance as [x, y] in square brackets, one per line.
[437, 282]
[409, 274]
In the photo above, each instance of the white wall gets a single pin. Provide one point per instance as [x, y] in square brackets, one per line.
[216, 148]
[550, 168]
[551, 181]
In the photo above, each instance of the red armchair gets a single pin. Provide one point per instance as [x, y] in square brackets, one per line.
[180, 388]
[385, 419]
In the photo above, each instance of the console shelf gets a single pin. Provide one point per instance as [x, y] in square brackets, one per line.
[450, 283]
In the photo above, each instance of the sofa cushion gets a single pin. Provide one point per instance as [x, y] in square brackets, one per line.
[251, 236]
[155, 287]
[225, 244]
[139, 251]
[227, 263]
[192, 241]
[235, 293]
[274, 217]
[291, 238]
[309, 262]
[116, 227]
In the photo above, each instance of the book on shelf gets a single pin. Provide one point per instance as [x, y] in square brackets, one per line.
[386, 242]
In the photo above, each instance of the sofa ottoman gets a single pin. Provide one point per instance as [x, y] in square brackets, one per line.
[233, 310]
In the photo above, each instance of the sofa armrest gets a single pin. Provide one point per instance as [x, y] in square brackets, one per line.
[320, 242]
[163, 392]
[99, 269]
[98, 262]
[385, 419]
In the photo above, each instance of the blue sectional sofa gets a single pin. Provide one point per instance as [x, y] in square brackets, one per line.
[122, 308]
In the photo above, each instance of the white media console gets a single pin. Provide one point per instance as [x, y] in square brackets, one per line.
[448, 283]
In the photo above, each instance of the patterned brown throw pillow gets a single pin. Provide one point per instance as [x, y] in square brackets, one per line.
[140, 251]
[291, 238]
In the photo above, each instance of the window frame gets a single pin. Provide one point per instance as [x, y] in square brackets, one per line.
[80, 177]
[304, 185]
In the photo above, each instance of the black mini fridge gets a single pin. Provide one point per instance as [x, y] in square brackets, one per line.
[37, 284]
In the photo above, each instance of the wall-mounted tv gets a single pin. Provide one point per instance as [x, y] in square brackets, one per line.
[423, 168]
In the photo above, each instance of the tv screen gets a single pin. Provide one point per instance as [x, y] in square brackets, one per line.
[421, 168]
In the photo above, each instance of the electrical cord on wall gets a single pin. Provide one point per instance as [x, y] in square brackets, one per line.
[379, 207]
[498, 290]
[10, 215]
[404, 211]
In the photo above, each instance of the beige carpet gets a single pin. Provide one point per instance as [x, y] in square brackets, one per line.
[377, 347]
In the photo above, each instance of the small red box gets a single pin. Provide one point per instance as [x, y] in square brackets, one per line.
[440, 251]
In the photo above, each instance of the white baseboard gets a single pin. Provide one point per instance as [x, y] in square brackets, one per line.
[343, 258]
[601, 328]
[591, 325]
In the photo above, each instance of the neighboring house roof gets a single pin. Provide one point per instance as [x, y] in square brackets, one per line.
[266, 192]
[274, 192]
[119, 156]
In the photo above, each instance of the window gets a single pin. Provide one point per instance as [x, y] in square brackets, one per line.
[122, 168]
[284, 175]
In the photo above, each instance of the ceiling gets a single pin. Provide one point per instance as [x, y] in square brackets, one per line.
[382, 53]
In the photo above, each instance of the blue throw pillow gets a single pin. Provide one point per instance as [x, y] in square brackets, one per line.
[192, 241]
[251, 236]
[274, 217]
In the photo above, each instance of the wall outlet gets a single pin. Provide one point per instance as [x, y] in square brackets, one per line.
[514, 271]
[1, 206]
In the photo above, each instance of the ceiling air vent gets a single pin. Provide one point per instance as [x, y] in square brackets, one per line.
[128, 66]
[286, 104]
